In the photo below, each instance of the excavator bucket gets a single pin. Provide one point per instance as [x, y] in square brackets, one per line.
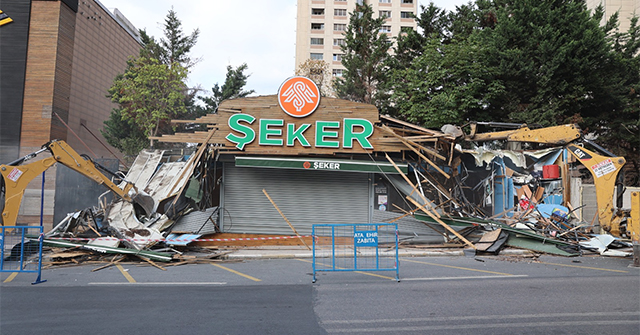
[146, 202]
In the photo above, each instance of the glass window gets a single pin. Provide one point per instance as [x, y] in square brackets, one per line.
[337, 57]
[317, 41]
[385, 29]
[339, 27]
[385, 1]
[406, 15]
[384, 13]
[317, 26]
[407, 1]
[316, 56]
[338, 42]
[317, 11]
[338, 72]
[339, 12]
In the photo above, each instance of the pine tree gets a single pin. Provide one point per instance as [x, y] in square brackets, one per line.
[153, 89]
[232, 88]
[175, 46]
[365, 51]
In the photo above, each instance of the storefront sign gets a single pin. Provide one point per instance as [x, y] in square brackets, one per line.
[299, 97]
[320, 164]
[276, 133]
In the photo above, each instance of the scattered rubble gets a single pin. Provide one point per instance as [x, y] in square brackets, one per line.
[483, 191]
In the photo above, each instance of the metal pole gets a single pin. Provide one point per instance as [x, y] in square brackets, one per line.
[42, 200]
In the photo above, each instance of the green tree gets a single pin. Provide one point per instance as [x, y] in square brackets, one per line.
[364, 53]
[152, 90]
[175, 46]
[537, 62]
[123, 135]
[150, 94]
[232, 88]
[435, 76]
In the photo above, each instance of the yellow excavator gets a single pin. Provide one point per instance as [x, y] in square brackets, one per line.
[604, 169]
[17, 175]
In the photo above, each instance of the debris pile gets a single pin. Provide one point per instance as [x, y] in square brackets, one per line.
[481, 191]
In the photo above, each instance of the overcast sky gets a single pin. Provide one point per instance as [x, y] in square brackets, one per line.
[232, 32]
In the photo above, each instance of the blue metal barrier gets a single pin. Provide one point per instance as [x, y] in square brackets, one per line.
[355, 247]
[21, 250]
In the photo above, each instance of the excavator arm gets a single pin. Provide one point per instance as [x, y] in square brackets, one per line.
[605, 171]
[16, 176]
[556, 135]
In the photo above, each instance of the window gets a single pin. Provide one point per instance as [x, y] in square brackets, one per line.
[338, 42]
[338, 72]
[385, 29]
[385, 1]
[316, 56]
[317, 41]
[339, 27]
[317, 11]
[317, 26]
[337, 57]
[340, 0]
[407, 1]
[385, 14]
[406, 15]
[340, 12]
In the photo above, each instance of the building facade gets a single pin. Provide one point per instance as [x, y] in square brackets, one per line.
[321, 24]
[626, 8]
[58, 60]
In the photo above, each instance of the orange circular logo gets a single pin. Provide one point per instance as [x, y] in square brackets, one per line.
[298, 96]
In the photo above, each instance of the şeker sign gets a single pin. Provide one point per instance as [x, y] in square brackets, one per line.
[296, 121]
[299, 98]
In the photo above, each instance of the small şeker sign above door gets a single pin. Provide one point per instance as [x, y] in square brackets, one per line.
[299, 97]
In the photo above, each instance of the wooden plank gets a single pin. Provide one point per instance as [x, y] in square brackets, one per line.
[415, 127]
[191, 164]
[434, 216]
[285, 218]
[410, 146]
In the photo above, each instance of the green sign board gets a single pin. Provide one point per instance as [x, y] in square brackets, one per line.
[319, 164]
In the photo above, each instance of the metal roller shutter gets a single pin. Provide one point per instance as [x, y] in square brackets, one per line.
[305, 198]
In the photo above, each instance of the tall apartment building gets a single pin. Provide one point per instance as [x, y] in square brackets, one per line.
[626, 8]
[321, 24]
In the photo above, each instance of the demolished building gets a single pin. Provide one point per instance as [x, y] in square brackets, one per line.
[268, 169]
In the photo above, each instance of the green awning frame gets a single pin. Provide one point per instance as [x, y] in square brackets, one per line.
[319, 164]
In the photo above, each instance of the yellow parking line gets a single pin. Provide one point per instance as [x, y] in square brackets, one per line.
[10, 278]
[583, 267]
[457, 267]
[236, 272]
[375, 275]
[364, 273]
[125, 273]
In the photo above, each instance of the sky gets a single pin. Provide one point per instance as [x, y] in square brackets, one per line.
[232, 32]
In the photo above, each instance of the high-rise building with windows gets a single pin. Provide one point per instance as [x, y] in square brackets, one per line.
[321, 24]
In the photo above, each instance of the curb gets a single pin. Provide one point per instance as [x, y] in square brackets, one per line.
[276, 254]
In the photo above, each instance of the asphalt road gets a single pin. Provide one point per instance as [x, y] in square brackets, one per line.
[436, 295]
